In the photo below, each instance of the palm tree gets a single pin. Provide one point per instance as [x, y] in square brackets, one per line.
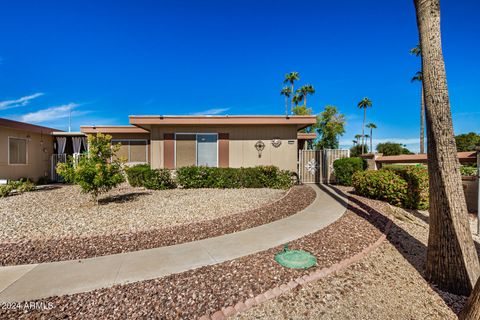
[371, 126]
[452, 261]
[354, 142]
[419, 77]
[304, 91]
[296, 99]
[290, 78]
[364, 104]
[286, 91]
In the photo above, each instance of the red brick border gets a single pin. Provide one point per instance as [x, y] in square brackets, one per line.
[243, 306]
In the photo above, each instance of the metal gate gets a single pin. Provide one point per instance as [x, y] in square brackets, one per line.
[56, 159]
[316, 166]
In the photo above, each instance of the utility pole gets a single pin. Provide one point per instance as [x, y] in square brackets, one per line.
[70, 119]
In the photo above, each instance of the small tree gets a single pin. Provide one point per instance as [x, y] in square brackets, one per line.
[96, 172]
[330, 125]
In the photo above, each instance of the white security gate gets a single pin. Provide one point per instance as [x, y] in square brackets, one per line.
[56, 159]
[316, 166]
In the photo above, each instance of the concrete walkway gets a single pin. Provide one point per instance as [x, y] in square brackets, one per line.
[36, 281]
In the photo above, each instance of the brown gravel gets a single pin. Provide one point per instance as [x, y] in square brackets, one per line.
[193, 293]
[388, 284]
[56, 249]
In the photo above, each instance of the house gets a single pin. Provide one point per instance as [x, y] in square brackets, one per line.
[220, 141]
[25, 150]
[169, 142]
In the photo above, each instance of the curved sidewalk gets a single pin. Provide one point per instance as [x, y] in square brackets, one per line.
[36, 281]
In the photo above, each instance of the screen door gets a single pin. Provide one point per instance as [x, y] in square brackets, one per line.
[207, 150]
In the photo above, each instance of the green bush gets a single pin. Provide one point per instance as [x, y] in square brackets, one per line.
[256, 177]
[142, 175]
[5, 190]
[346, 167]
[381, 185]
[468, 170]
[417, 180]
[136, 174]
[96, 172]
[25, 186]
[159, 179]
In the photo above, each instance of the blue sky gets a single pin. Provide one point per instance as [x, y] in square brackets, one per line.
[106, 60]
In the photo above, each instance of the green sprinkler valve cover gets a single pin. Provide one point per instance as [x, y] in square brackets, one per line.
[295, 259]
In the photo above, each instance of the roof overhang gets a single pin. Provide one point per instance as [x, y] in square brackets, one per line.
[17, 125]
[306, 136]
[146, 122]
[463, 157]
[111, 129]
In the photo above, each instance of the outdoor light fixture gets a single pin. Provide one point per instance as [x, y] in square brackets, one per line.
[259, 146]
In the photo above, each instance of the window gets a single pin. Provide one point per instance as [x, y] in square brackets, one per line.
[196, 149]
[132, 150]
[17, 151]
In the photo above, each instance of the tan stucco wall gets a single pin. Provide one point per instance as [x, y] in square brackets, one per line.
[38, 155]
[242, 139]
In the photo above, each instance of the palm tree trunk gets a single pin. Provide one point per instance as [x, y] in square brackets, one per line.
[422, 123]
[286, 106]
[305, 100]
[363, 129]
[293, 95]
[471, 311]
[452, 261]
[371, 140]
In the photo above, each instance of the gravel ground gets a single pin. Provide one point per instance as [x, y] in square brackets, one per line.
[66, 212]
[193, 293]
[388, 284]
[55, 249]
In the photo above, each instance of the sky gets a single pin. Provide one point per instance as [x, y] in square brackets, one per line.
[105, 60]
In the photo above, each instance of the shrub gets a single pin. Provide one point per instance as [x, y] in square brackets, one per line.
[25, 186]
[136, 174]
[159, 179]
[346, 167]
[5, 190]
[256, 177]
[381, 185]
[468, 170]
[96, 172]
[417, 180]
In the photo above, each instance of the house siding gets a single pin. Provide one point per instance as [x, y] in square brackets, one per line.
[39, 151]
[241, 144]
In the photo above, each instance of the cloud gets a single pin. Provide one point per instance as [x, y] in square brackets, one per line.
[23, 101]
[213, 111]
[52, 113]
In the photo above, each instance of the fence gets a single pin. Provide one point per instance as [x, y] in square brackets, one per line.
[316, 166]
[61, 158]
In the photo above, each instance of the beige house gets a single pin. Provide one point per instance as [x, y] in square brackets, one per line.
[25, 150]
[219, 141]
[169, 142]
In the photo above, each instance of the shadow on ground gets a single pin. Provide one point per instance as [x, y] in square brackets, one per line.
[121, 198]
[413, 250]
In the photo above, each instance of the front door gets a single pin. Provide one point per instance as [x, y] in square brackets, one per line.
[207, 150]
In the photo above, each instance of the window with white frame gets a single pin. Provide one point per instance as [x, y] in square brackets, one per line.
[132, 150]
[17, 151]
[196, 149]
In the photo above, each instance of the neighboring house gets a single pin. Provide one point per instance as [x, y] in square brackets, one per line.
[218, 141]
[163, 141]
[25, 150]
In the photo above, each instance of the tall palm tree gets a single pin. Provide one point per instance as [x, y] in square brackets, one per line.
[452, 261]
[419, 77]
[364, 104]
[290, 78]
[371, 126]
[286, 91]
[296, 99]
[354, 142]
[304, 91]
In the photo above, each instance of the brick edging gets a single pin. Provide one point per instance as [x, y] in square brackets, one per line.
[243, 306]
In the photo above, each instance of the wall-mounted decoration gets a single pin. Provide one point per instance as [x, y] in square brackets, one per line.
[259, 146]
[276, 142]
